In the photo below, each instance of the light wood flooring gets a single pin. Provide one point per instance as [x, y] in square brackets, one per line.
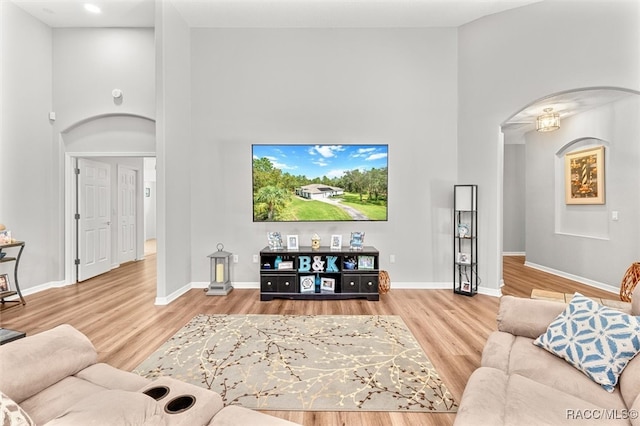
[117, 312]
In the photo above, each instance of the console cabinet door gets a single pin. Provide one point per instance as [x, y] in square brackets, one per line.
[369, 283]
[351, 283]
[268, 283]
[287, 283]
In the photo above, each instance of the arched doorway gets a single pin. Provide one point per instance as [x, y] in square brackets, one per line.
[590, 115]
[120, 141]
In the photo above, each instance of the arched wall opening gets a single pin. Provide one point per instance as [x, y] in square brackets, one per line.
[589, 243]
[122, 141]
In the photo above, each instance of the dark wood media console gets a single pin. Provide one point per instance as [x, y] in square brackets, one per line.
[319, 274]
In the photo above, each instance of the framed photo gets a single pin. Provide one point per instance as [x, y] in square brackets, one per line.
[275, 240]
[584, 176]
[365, 262]
[357, 241]
[292, 242]
[5, 284]
[464, 258]
[327, 285]
[307, 283]
[336, 242]
[5, 237]
[463, 230]
[285, 264]
[466, 286]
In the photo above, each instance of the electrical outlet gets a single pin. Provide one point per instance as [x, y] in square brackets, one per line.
[255, 258]
[235, 258]
[392, 258]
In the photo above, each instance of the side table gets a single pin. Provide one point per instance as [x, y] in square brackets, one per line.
[16, 259]
[7, 335]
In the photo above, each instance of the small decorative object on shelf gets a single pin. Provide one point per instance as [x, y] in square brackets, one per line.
[463, 230]
[315, 242]
[220, 273]
[307, 283]
[5, 284]
[5, 237]
[336, 242]
[275, 240]
[365, 262]
[328, 285]
[357, 241]
[349, 263]
[292, 242]
[465, 239]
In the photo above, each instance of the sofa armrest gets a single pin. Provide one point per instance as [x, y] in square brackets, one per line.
[484, 399]
[527, 317]
[112, 378]
[497, 350]
[29, 365]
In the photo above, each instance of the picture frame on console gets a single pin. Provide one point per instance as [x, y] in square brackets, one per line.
[365, 262]
[357, 241]
[307, 283]
[292, 242]
[275, 240]
[327, 285]
[336, 242]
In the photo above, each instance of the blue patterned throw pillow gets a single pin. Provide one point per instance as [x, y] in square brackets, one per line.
[597, 340]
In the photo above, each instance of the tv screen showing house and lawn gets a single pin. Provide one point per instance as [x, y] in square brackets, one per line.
[300, 183]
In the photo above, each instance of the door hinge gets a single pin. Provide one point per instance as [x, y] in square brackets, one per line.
[77, 216]
[76, 171]
[77, 261]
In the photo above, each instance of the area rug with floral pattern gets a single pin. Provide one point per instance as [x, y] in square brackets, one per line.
[304, 362]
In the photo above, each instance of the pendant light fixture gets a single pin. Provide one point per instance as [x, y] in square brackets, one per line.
[548, 122]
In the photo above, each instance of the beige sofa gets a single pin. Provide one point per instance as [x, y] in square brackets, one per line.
[522, 384]
[53, 378]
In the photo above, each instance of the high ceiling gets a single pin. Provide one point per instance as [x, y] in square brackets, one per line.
[314, 14]
[272, 13]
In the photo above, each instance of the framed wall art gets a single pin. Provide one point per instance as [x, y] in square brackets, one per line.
[584, 176]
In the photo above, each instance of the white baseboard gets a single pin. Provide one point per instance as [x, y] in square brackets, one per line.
[582, 280]
[514, 253]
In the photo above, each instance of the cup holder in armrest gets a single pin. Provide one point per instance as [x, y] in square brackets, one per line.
[157, 392]
[180, 404]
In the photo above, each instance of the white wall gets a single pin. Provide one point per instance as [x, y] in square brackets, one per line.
[29, 203]
[174, 165]
[90, 62]
[388, 86]
[583, 240]
[501, 70]
[515, 207]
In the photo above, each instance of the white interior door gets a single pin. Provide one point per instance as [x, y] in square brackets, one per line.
[94, 223]
[127, 218]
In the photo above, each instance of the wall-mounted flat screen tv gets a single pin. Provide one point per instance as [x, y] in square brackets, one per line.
[310, 183]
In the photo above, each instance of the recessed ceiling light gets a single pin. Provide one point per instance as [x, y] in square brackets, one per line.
[92, 8]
